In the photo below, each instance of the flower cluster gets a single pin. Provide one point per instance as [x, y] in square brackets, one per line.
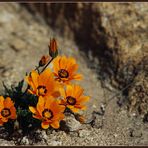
[49, 94]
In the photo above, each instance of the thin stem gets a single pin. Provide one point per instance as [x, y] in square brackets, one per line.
[37, 68]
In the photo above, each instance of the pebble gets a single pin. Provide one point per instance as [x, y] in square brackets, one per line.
[44, 135]
[136, 133]
[84, 133]
[25, 141]
[72, 123]
[56, 143]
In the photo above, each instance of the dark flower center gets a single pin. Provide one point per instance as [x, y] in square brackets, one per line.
[47, 113]
[42, 90]
[63, 73]
[71, 100]
[6, 112]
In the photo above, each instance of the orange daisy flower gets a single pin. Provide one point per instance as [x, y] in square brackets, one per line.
[49, 112]
[65, 69]
[43, 84]
[74, 98]
[7, 110]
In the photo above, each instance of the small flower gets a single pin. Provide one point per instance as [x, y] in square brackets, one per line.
[43, 61]
[43, 84]
[49, 112]
[74, 98]
[53, 49]
[65, 69]
[7, 110]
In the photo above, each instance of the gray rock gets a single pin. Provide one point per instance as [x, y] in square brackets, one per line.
[136, 133]
[72, 123]
[55, 143]
[84, 133]
[24, 141]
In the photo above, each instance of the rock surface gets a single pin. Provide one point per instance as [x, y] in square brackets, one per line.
[114, 33]
[24, 39]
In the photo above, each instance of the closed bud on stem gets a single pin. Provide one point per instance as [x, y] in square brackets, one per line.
[80, 118]
[53, 49]
[43, 61]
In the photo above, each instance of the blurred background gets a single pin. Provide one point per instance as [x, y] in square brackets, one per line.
[109, 42]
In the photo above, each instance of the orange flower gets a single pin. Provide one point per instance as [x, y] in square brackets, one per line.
[49, 112]
[43, 84]
[53, 50]
[7, 110]
[65, 69]
[74, 98]
[44, 60]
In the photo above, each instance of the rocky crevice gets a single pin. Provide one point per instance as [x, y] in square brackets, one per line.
[116, 34]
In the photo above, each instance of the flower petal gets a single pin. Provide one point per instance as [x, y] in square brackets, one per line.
[72, 68]
[45, 125]
[32, 109]
[37, 116]
[62, 92]
[69, 90]
[77, 77]
[72, 108]
[82, 107]
[55, 124]
[31, 92]
[4, 119]
[1, 122]
[56, 64]
[40, 105]
[78, 91]
[35, 77]
[1, 102]
[63, 62]
[8, 102]
[45, 77]
[83, 99]
[48, 102]
[13, 113]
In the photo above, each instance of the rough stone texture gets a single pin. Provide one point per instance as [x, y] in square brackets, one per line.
[114, 33]
[71, 123]
[24, 38]
[138, 95]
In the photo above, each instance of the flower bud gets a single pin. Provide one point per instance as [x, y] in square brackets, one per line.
[80, 118]
[43, 61]
[53, 50]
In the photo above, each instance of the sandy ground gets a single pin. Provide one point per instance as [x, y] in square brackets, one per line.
[23, 41]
